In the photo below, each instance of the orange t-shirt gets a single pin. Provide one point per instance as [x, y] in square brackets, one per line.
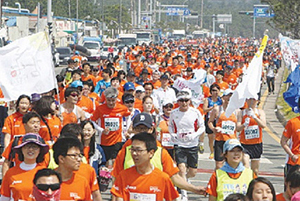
[165, 136]
[76, 188]
[54, 124]
[292, 131]
[156, 185]
[230, 79]
[223, 86]
[138, 104]
[88, 172]
[18, 183]
[111, 118]
[228, 125]
[169, 166]
[252, 134]
[280, 197]
[156, 84]
[212, 184]
[175, 69]
[13, 125]
[86, 104]
[89, 77]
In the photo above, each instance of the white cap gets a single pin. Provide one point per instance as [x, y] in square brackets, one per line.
[184, 94]
[227, 92]
[140, 88]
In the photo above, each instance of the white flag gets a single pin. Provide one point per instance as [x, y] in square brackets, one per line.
[290, 50]
[26, 67]
[250, 85]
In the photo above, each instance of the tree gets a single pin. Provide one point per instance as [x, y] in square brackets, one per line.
[287, 16]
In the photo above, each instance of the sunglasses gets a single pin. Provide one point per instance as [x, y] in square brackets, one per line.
[95, 70]
[74, 95]
[214, 90]
[184, 100]
[131, 101]
[45, 187]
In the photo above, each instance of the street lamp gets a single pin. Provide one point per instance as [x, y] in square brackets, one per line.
[19, 6]
[182, 18]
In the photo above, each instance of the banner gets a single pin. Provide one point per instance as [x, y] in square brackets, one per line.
[26, 67]
[194, 85]
[290, 50]
[250, 85]
[291, 96]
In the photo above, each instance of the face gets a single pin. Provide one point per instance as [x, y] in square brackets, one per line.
[140, 95]
[33, 125]
[139, 153]
[164, 82]
[73, 97]
[129, 104]
[85, 90]
[53, 106]
[88, 131]
[142, 128]
[251, 102]
[131, 79]
[111, 102]
[76, 77]
[72, 160]
[115, 84]
[86, 69]
[95, 72]
[23, 105]
[234, 156]
[184, 104]
[105, 75]
[148, 90]
[52, 179]
[30, 151]
[147, 105]
[226, 98]
[215, 91]
[155, 76]
[167, 109]
[262, 191]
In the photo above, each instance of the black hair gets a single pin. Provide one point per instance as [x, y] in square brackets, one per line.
[148, 139]
[293, 177]
[70, 90]
[115, 78]
[145, 97]
[90, 83]
[30, 115]
[108, 71]
[78, 71]
[220, 72]
[71, 129]
[86, 64]
[20, 98]
[121, 72]
[43, 106]
[59, 78]
[260, 180]
[46, 172]
[214, 86]
[62, 146]
[93, 138]
[148, 83]
[236, 197]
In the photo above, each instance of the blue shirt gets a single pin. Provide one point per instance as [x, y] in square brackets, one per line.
[101, 86]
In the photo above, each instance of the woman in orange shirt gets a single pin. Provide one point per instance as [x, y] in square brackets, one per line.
[250, 122]
[13, 124]
[18, 181]
[50, 123]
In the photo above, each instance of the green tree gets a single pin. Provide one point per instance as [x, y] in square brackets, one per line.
[287, 16]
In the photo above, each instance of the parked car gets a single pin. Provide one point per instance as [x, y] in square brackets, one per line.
[94, 47]
[104, 51]
[65, 53]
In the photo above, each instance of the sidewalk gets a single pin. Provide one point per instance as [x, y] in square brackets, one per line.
[273, 116]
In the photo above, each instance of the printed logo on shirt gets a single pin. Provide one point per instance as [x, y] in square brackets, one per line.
[298, 130]
[155, 189]
[74, 195]
[131, 187]
[16, 125]
[17, 182]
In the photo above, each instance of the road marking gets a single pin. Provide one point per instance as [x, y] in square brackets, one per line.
[204, 157]
[267, 129]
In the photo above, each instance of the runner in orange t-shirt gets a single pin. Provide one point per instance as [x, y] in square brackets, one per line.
[146, 180]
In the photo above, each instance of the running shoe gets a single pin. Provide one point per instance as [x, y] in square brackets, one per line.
[211, 156]
[201, 149]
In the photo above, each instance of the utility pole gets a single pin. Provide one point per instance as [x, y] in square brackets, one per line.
[120, 17]
[0, 13]
[69, 2]
[139, 14]
[38, 17]
[77, 22]
[201, 17]
[49, 16]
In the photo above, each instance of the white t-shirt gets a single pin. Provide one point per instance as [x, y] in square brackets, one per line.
[162, 95]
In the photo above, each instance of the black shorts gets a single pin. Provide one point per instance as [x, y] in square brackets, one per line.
[188, 156]
[253, 150]
[112, 151]
[207, 129]
[218, 150]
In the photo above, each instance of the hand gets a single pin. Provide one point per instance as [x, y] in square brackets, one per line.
[294, 158]
[247, 121]
[251, 113]
[200, 190]
[218, 129]
[106, 131]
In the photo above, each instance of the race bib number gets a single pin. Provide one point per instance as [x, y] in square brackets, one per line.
[166, 140]
[112, 123]
[251, 132]
[142, 197]
[228, 127]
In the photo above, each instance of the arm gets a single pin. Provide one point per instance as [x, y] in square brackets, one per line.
[211, 119]
[205, 106]
[239, 125]
[96, 195]
[7, 138]
[183, 184]
[284, 143]
[5, 167]
[261, 121]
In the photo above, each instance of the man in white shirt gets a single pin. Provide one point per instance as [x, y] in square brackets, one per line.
[164, 92]
[186, 124]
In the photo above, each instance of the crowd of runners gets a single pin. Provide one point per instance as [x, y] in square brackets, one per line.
[122, 122]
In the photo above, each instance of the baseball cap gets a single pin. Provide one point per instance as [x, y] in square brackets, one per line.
[164, 76]
[33, 138]
[129, 86]
[231, 144]
[130, 74]
[128, 97]
[189, 69]
[184, 94]
[230, 67]
[145, 71]
[227, 92]
[111, 92]
[143, 119]
[71, 61]
[139, 89]
[76, 83]
[167, 101]
[35, 97]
